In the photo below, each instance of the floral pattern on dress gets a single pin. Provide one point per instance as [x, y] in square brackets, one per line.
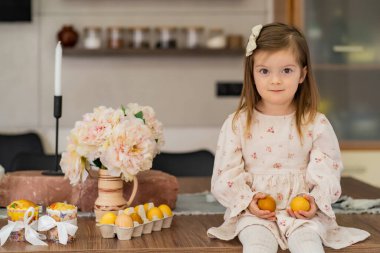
[275, 161]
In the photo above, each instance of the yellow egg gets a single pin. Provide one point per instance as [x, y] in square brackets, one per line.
[108, 218]
[136, 217]
[140, 211]
[124, 220]
[154, 213]
[148, 206]
[300, 203]
[267, 203]
[129, 210]
[165, 209]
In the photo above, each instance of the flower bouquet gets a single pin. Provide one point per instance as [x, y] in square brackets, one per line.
[120, 142]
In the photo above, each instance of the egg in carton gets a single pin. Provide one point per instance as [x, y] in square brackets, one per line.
[121, 225]
[124, 226]
[148, 224]
[155, 214]
[168, 215]
[133, 222]
[162, 217]
[138, 223]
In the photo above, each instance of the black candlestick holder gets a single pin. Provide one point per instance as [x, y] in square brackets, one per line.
[57, 114]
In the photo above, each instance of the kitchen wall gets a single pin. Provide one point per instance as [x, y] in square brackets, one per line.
[181, 89]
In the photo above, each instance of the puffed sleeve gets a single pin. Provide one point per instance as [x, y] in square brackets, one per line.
[230, 183]
[325, 166]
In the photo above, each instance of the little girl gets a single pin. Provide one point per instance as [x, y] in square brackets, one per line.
[277, 144]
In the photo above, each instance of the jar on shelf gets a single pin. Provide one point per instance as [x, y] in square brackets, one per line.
[234, 41]
[68, 36]
[115, 37]
[166, 37]
[193, 37]
[92, 37]
[216, 39]
[138, 37]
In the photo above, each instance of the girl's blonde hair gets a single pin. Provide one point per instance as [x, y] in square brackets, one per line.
[274, 37]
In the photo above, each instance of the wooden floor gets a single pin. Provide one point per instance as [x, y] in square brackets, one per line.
[188, 233]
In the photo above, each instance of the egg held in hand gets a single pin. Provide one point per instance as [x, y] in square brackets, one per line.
[299, 203]
[267, 203]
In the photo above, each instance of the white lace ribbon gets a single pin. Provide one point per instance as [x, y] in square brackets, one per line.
[252, 40]
[65, 228]
[30, 233]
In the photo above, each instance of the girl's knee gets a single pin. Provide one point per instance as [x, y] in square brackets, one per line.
[305, 234]
[305, 239]
[257, 238]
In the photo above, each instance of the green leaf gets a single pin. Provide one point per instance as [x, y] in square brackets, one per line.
[123, 109]
[97, 163]
[140, 115]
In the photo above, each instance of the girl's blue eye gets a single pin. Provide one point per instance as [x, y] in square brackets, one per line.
[263, 71]
[288, 70]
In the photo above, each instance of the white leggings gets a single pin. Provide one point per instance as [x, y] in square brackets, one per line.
[258, 239]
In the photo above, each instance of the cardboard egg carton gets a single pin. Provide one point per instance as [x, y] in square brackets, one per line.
[148, 226]
[110, 230]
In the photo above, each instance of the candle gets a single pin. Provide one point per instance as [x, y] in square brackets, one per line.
[58, 69]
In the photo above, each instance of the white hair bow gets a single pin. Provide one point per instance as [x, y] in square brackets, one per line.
[252, 40]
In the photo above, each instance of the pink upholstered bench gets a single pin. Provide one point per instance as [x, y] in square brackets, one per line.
[154, 186]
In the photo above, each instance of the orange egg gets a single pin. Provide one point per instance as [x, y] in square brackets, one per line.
[136, 217]
[300, 203]
[124, 220]
[267, 203]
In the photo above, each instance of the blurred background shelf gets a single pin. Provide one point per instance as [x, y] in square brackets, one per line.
[153, 52]
[351, 66]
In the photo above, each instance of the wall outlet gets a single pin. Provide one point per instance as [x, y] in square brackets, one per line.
[228, 89]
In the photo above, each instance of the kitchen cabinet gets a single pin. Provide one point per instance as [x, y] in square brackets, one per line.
[152, 52]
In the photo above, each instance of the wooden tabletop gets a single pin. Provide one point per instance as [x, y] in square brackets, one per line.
[188, 233]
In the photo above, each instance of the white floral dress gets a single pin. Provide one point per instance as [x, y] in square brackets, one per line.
[272, 160]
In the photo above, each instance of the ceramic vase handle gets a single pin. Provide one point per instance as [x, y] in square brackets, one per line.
[134, 191]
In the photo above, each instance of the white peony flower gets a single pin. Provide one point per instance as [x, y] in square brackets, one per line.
[122, 141]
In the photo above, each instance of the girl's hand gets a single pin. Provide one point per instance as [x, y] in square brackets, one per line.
[255, 210]
[306, 215]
